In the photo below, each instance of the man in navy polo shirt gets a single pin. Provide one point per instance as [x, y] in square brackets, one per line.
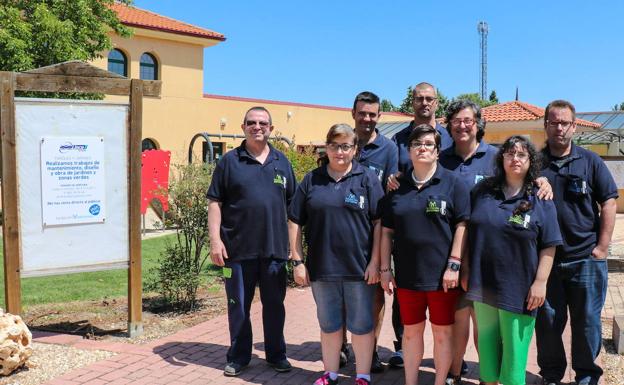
[379, 154]
[425, 105]
[584, 194]
[247, 210]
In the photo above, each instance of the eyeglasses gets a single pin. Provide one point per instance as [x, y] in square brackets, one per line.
[521, 156]
[345, 147]
[421, 99]
[457, 122]
[427, 145]
[564, 124]
[262, 123]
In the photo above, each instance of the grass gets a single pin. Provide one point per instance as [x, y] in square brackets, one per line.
[97, 285]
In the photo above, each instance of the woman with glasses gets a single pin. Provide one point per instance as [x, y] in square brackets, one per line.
[512, 237]
[336, 204]
[423, 226]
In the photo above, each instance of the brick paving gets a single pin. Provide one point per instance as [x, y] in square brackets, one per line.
[196, 355]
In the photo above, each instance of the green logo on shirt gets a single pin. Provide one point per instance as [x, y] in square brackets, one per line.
[432, 207]
[279, 179]
[520, 220]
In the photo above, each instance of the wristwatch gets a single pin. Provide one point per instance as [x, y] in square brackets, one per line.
[453, 266]
[296, 262]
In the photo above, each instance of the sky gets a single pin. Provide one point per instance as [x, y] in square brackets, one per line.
[325, 52]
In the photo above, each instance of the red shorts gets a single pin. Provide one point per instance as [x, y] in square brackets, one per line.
[414, 304]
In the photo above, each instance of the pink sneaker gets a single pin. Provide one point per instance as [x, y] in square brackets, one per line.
[325, 380]
[361, 381]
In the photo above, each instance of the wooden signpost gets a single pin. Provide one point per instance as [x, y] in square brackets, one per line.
[78, 77]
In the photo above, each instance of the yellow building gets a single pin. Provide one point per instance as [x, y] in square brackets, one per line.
[172, 51]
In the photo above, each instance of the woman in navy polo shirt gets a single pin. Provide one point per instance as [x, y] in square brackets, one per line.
[337, 206]
[512, 237]
[426, 219]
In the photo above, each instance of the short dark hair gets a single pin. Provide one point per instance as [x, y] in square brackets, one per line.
[257, 108]
[422, 130]
[423, 85]
[366, 97]
[498, 180]
[458, 105]
[559, 103]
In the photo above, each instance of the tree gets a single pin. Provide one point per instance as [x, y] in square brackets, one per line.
[407, 105]
[37, 33]
[387, 106]
[493, 97]
[476, 98]
[618, 107]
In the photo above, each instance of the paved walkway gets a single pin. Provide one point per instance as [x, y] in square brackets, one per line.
[197, 355]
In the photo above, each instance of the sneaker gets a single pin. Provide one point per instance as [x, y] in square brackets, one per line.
[464, 368]
[453, 380]
[587, 381]
[396, 360]
[376, 365]
[549, 382]
[233, 369]
[281, 366]
[361, 381]
[325, 380]
[344, 355]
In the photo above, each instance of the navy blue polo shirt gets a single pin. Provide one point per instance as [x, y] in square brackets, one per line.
[337, 219]
[400, 138]
[381, 156]
[424, 224]
[504, 248]
[254, 198]
[580, 181]
[480, 165]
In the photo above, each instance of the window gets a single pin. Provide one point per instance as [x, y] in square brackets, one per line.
[117, 62]
[148, 67]
[148, 144]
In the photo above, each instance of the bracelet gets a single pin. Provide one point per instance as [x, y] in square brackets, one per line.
[296, 262]
[454, 258]
[387, 269]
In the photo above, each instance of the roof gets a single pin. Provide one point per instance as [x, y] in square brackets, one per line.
[295, 104]
[388, 129]
[518, 111]
[140, 18]
[609, 120]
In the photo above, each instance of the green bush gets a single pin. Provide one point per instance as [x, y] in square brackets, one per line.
[177, 278]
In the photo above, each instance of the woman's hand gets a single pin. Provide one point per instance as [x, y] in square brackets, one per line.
[371, 275]
[300, 274]
[387, 282]
[537, 295]
[450, 280]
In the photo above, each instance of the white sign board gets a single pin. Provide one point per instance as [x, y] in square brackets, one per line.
[62, 240]
[72, 180]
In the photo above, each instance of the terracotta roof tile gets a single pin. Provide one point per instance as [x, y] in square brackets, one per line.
[516, 110]
[140, 18]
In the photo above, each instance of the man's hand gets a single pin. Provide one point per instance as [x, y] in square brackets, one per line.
[387, 282]
[300, 274]
[393, 181]
[450, 280]
[537, 295]
[545, 189]
[371, 275]
[600, 252]
[218, 254]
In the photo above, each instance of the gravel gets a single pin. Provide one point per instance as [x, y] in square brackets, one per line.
[50, 361]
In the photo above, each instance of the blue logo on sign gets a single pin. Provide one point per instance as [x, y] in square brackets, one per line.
[94, 209]
[68, 146]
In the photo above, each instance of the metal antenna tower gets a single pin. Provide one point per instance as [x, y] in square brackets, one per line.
[483, 29]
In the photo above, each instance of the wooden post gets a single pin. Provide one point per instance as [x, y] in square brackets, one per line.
[10, 228]
[135, 289]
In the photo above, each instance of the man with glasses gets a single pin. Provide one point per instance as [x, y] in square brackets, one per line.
[425, 105]
[584, 194]
[248, 199]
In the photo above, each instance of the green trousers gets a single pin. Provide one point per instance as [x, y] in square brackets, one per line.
[504, 339]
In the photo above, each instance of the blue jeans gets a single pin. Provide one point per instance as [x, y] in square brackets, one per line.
[270, 276]
[580, 286]
[336, 300]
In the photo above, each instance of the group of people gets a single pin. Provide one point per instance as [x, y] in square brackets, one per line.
[507, 238]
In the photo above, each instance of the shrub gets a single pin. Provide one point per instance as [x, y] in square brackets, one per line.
[177, 278]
